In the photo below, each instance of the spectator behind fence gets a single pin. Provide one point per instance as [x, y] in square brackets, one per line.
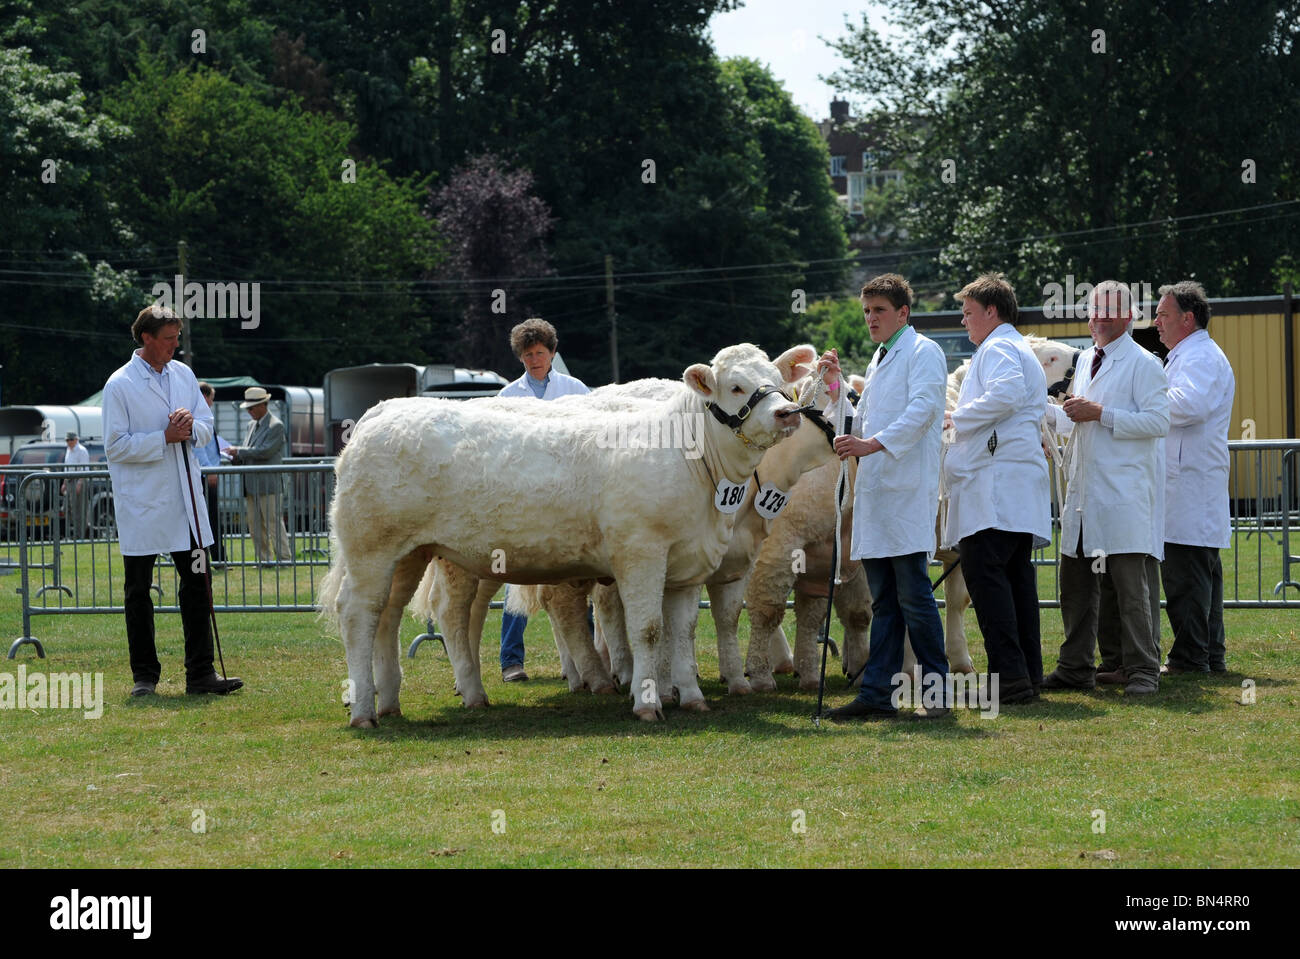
[895, 496]
[152, 406]
[76, 490]
[210, 455]
[1112, 521]
[263, 492]
[1201, 386]
[999, 499]
[534, 341]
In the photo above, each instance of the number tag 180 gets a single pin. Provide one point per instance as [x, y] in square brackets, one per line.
[729, 496]
[769, 501]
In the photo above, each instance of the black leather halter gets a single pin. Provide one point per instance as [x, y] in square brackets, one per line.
[818, 418]
[734, 421]
[1062, 386]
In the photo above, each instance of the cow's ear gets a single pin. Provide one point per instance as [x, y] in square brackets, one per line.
[797, 362]
[700, 378]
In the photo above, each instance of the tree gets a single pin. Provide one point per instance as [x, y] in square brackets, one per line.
[495, 229]
[1096, 139]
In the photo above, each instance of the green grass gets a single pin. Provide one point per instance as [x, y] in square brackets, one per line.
[1188, 777]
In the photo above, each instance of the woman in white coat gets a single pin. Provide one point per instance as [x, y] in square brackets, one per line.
[152, 409]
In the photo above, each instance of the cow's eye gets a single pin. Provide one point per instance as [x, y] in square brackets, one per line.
[737, 389]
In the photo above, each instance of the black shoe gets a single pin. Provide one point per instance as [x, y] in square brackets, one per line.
[143, 688]
[213, 684]
[860, 711]
[1053, 681]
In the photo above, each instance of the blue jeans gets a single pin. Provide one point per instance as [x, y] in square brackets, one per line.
[512, 637]
[901, 601]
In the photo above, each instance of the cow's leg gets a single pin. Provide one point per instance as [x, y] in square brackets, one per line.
[363, 595]
[455, 608]
[809, 615]
[602, 650]
[641, 588]
[610, 616]
[681, 613]
[725, 601]
[853, 607]
[567, 609]
[778, 653]
[388, 654]
[956, 598]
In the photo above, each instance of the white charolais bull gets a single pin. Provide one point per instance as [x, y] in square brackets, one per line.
[764, 501]
[423, 478]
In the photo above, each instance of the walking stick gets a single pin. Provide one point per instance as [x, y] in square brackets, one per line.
[207, 567]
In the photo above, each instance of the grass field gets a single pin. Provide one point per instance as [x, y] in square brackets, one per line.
[273, 774]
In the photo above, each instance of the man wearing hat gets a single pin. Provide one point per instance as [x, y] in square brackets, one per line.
[76, 489]
[263, 494]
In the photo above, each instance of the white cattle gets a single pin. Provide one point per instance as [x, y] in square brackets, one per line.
[808, 525]
[584, 664]
[423, 478]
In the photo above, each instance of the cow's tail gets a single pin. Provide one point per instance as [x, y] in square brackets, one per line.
[525, 600]
[424, 602]
[330, 587]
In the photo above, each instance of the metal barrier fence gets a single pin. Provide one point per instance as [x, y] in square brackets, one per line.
[68, 561]
[63, 542]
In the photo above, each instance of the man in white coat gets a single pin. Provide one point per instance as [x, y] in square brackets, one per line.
[1112, 521]
[895, 497]
[999, 499]
[77, 490]
[1201, 386]
[534, 341]
[152, 409]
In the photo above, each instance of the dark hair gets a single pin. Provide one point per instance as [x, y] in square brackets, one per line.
[206, 388]
[530, 332]
[151, 320]
[1191, 299]
[992, 289]
[892, 287]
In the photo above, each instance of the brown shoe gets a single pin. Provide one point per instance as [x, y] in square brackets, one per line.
[514, 674]
[1167, 670]
[1114, 678]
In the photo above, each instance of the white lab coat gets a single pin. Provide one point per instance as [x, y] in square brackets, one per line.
[1004, 393]
[1114, 484]
[154, 513]
[896, 494]
[561, 384]
[1201, 386]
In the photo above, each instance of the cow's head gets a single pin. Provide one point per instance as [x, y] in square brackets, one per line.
[743, 390]
[1058, 361]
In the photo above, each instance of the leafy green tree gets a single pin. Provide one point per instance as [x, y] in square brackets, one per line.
[1100, 138]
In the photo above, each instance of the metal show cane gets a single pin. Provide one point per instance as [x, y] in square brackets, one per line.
[207, 567]
[835, 558]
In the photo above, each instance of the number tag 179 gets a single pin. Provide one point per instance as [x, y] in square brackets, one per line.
[769, 501]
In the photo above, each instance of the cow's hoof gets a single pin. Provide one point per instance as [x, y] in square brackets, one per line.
[741, 688]
[480, 704]
[762, 684]
[604, 689]
[395, 711]
[649, 714]
[783, 669]
[696, 706]
[363, 722]
[807, 685]
[963, 668]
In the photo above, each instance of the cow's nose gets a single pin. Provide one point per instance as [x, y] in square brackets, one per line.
[788, 415]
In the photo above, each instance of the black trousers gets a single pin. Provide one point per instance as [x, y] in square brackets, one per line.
[192, 596]
[1193, 578]
[1004, 591]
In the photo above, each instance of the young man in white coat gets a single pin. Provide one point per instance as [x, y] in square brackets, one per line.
[895, 497]
[1201, 386]
[152, 408]
[1112, 521]
[999, 499]
[534, 341]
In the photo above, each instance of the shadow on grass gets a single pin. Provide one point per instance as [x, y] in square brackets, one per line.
[173, 702]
